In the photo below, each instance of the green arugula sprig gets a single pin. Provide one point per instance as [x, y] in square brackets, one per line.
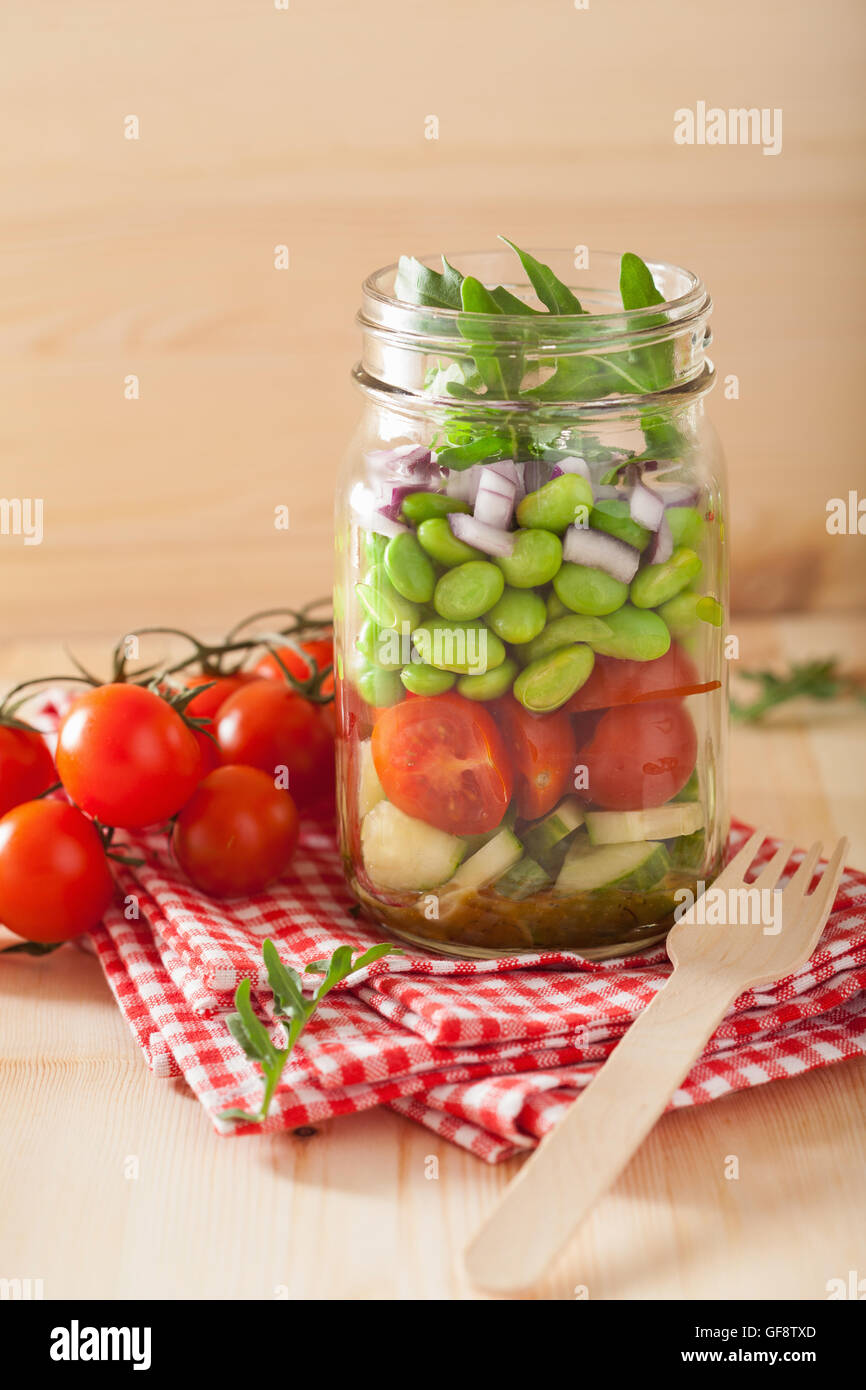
[292, 1009]
[815, 680]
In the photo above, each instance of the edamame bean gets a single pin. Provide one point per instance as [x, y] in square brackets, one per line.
[426, 680]
[556, 505]
[491, 685]
[555, 606]
[379, 688]
[421, 506]
[380, 646]
[636, 635]
[519, 615]
[467, 591]
[563, 632]
[374, 547]
[684, 611]
[612, 515]
[687, 526]
[409, 569]
[657, 583]
[547, 683]
[442, 545]
[467, 648]
[536, 557]
[584, 589]
[381, 601]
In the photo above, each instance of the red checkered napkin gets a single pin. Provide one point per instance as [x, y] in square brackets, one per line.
[485, 1053]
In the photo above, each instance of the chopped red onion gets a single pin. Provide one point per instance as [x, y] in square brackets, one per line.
[535, 474]
[463, 483]
[494, 505]
[490, 539]
[389, 500]
[572, 464]
[507, 468]
[661, 547]
[600, 551]
[678, 494]
[646, 507]
[370, 514]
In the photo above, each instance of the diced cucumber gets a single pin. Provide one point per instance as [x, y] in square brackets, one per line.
[370, 791]
[688, 851]
[655, 823]
[405, 854]
[474, 842]
[637, 864]
[561, 821]
[488, 863]
[691, 791]
[525, 878]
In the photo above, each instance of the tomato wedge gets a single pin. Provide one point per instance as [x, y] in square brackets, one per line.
[617, 682]
[543, 752]
[441, 759]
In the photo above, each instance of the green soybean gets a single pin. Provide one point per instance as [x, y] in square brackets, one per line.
[409, 569]
[535, 559]
[467, 591]
[547, 683]
[613, 516]
[442, 545]
[426, 680]
[379, 688]
[381, 601]
[657, 583]
[687, 526]
[421, 506]
[563, 632]
[555, 606]
[558, 504]
[491, 685]
[374, 547]
[380, 646]
[683, 612]
[519, 615]
[467, 648]
[635, 635]
[584, 589]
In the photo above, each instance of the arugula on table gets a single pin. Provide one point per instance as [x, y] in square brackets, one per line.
[293, 1011]
[816, 680]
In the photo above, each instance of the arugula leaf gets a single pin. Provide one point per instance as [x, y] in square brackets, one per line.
[556, 297]
[291, 1009]
[815, 680]
[500, 373]
[636, 284]
[418, 284]
[508, 303]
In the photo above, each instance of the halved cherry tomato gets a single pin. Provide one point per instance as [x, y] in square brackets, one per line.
[639, 755]
[321, 649]
[26, 766]
[237, 833]
[543, 752]
[442, 759]
[617, 682]
[207, 705]
[54, 878]
[126, 757]
[269, 726]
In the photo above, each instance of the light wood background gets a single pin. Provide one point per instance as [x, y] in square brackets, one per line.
[305, 127]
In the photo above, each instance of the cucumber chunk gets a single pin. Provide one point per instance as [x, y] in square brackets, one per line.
[635, 865]
[688, 851]
[655, 823]
[370, 791]
[405, 854]
[525, 878]
[488, 863]
[561, 821]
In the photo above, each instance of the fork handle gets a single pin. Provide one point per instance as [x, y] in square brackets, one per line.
[599, 1133]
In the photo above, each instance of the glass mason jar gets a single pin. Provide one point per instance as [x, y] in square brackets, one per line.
[529, 612]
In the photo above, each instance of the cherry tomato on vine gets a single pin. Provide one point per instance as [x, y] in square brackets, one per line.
[442, 759]
[207, 706]
[639, 755]
[237, 833]
[26, 766]
[543, 752]
[268, 726]
[321, 649]
[54, 877]
[126, 757]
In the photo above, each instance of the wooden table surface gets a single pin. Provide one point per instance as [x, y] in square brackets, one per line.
[350, 1213]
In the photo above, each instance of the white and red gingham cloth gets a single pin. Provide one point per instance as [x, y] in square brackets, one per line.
[486, 1053]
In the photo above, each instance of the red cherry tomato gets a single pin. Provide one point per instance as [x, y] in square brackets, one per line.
[639, 755]
[320, 649]
[206, 706]
[26, 767]
[617, 682]
[442, 760]
[126, 757]
[237, 833]
[54, 878]
[268, 726]
[543, 752]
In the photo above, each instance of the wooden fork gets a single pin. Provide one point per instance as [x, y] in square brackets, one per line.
[593, 1142]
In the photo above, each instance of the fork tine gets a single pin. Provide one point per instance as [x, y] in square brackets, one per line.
[799, 881]
[817, 906]
[736, 869]
[769, 875]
